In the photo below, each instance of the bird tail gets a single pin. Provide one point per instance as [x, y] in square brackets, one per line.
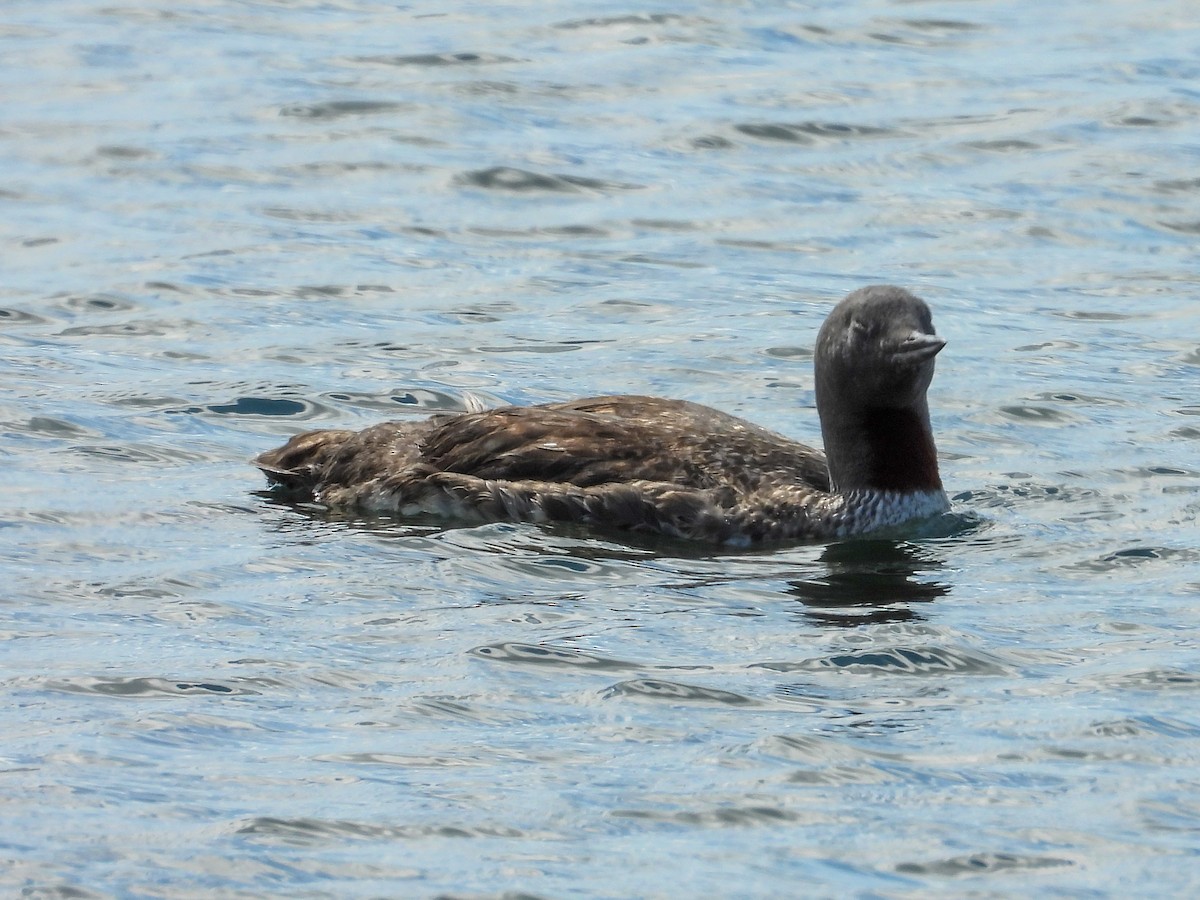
[300, 464]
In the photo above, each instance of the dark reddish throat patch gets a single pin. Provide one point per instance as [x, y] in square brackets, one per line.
[903, 457]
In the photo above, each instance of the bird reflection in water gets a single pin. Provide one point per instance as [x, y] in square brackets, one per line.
[870, 582]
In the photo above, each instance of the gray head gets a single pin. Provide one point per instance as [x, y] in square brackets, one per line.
[874, 362]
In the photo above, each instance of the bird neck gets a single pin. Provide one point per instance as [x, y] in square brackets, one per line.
[883, 450]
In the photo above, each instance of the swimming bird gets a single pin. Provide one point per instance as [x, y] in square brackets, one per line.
[666, 466]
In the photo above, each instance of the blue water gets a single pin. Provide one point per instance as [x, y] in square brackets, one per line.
[226, 222]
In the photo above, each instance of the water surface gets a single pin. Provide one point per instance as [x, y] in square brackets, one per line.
[226, 222]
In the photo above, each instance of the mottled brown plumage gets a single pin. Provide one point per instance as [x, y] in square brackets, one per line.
[667, 466]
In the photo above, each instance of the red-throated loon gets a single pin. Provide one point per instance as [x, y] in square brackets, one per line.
[667, 466]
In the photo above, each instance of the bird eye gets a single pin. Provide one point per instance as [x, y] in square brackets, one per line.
[860, 330]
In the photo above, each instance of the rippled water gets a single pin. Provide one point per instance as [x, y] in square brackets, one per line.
[224, 222]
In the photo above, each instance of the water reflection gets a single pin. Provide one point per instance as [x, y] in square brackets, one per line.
[846, 584]
[870, 582]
